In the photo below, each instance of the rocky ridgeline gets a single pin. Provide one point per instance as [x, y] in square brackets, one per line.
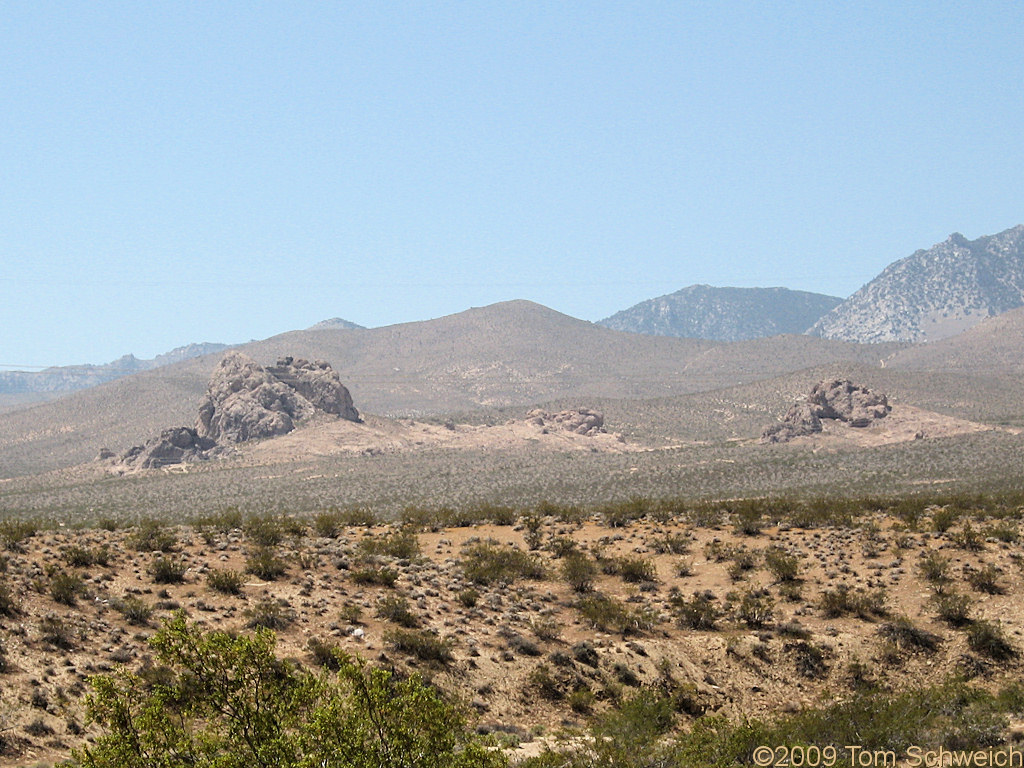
[582, 421]
[934, 294]
[245, 401]
[839, 400]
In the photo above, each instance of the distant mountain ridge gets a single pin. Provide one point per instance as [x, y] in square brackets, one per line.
[934, 294]
[69, 378]
[724, 314]
[336, 323]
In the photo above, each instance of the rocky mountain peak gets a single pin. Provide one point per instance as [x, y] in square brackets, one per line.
[934, 293]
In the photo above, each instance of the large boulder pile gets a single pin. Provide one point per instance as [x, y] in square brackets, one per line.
[245, 401]
[582, 421]
[839, 400]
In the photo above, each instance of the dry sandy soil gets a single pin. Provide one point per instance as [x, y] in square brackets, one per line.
[526, 656]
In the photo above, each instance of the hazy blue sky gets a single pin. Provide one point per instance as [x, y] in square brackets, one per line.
[176, 172]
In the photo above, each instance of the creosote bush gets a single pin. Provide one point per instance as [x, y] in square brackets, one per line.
[224, 581]
[485, 563]
[229, 702]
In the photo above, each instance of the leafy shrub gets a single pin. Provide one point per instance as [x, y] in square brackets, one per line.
[327, 655]
[263, 563]
[637, 569]
[13, 533]
[944, 519]
[83, 557]
[969, 538]
[1005, 530]
[264, 531]
[152, 536]
[610, 615]
[167, 570]
[986, 580]
[781, 564]
[66, 587]
[843, 601]
[230, 702]
[269, 614]
[134, 609]
[756, 608]
[671, 544]
[488, 564]
[396, 608]
[699, 612]
[224, 581]
[383, 577]
[989, 639]
[56, 632]
[810, 660]
[8, 604]
[424, 645]
[403, 545]
[468, 597]
[934, 568]
[953, 608]
[905, 635]
[579, 571]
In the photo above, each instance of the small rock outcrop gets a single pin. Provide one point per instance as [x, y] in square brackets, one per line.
[582, 421]
[246, 401]
[173, 446]
[839, 400]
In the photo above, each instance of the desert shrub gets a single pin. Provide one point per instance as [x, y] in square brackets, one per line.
[402, 545]
[66, 587]
[263, 563]
[152, 536]
[382, 577]
[610, 615]
[223, 521]
[620, 514]
[168, 570]
[468, 597]
[56, 632]
[488, 564]
[135, 610]
[497, 514]
[637, 569]
[989, 639]
[953, 608]
[84, 557]
[560, 546]
[8, 603]
[546, 683]
[756, 608]
[944, 519]
[843, 601]
[546, 627]
[424, 645]
[969, 538]
[934, 568]
[809, 659]
[671, 544]
[327, 655]
[582, 701]
[327, 525]
[396, 608]
[352, 613]
[748, 521]
[699, 612]
[1004, 530]
[579, 571]
[743, 561]
[13, 533]
[224, 581]
[684, 567]
[986, 580]
[230, 702]
[264, 530]
[903, 634]
[781, 564]
[269, 614]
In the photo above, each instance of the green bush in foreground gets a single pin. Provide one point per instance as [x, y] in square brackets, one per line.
[231, 703]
